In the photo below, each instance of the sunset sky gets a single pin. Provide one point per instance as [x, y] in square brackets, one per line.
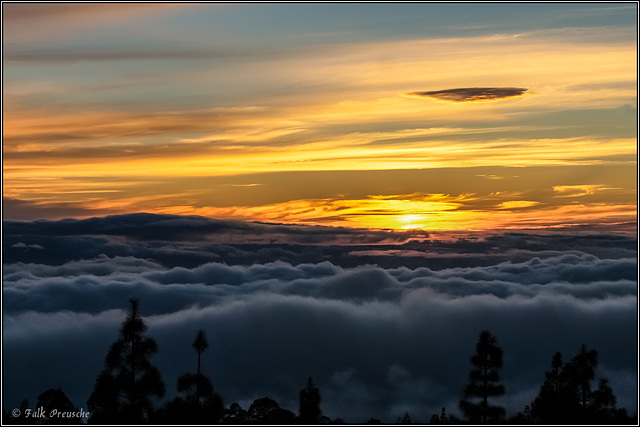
[348, 191]
[401, 116]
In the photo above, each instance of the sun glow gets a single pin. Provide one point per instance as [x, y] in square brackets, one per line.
[412, 221]
[429, 213]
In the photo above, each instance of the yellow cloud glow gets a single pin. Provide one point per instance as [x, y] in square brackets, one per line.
[515, 204]
[579, 190]
[429, 213]
[332, 155]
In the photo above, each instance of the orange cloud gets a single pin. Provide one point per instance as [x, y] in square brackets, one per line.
[427, 212]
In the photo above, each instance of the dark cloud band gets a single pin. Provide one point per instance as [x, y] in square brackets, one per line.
[468, 94]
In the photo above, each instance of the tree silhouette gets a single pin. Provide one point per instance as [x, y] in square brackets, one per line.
[200, 344]
[603, 401]
[54, 401]
[267, 411]
[200, 404]
[125, 387]
[483, 383]
[443, 416]
[583, 370]
[440, 419]
[566, 396]
[310, 411]
[235, 414]
[20, 418]
[406, 419]
[553, 393]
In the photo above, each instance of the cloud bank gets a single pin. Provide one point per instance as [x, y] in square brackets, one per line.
[382, 328]
[470, 94]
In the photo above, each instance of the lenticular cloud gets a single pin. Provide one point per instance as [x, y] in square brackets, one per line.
[380, 334]
[469, 94]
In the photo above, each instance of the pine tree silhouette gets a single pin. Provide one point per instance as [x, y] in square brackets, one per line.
[483, 383]
[310, 411]
[125, 387]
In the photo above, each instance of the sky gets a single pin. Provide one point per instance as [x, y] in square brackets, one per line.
[443, 116]
[345, 191]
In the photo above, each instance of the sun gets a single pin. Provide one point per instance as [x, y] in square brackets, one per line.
[411, 221]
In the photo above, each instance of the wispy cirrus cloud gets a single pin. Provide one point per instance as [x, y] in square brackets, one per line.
[471, 94]
[579, 190]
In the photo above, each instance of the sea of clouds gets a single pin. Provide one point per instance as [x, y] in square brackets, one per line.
[384, 322]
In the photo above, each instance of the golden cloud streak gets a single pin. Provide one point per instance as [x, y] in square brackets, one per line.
[433, 213]
[579, 190]
[334, 155]
[517, 204]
